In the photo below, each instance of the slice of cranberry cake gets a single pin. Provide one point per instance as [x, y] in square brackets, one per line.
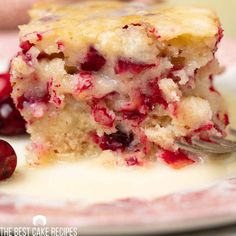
[126, 77]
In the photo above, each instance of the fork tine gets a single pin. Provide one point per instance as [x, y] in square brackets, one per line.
[213, 148]
[201, 149]
[224, 142]
[189, 147]
[221, 146]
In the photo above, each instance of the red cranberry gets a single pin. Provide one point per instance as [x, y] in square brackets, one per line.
[203, 128]
[188, 139]
[172, 76]
[133, 161]
[84, 81]
[26, 46]
[212, 87]
[154, 31]
[220, 34]
[206, 138]
[155, 96]
[42, 97]
[106, 97]
[226, 119]
[134, 115]
[116, 141]
[39, 36]
[27, 58]
[5, 86]
[102, 116]
[11, 121]
[93, 61]
[60, 45]
[124, 66]
[144, 103]
[177, 160]
[8, 160]
[219, 130]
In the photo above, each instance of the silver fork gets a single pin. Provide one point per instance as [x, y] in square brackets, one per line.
[220, 145]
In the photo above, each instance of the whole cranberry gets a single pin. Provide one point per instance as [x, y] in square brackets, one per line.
[8, 160]
[5, 86]
[11, 121]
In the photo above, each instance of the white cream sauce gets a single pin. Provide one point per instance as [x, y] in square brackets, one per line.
[89, 181]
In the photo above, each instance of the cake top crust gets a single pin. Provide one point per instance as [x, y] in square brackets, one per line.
[87, 20]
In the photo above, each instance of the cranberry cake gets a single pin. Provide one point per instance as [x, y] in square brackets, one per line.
[123, 77]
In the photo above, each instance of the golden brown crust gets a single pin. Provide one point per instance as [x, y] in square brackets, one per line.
[88, 19]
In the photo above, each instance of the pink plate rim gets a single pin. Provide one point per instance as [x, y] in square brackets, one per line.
[180, 211]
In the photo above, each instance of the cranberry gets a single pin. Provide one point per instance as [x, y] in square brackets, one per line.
[133, 161]
[39, 36]
[155, 96]
[115, 141]
[154, 31]
[124, 66]
[212, 87]
[44, 97]
[93, 61]
[11, 121]
[134, 115]
[57, 100]
[206, 138]
[8, 160]
[177, 160]
[188, 139]
[219, 130]
[27, 58]
[143, 103]
[103, 116]
[226, 119]
[60, 45]
[26, 46]
[5, 86]
[204, 128]
[84, 81]
[220, 34]
[106, 97]
[172, 76]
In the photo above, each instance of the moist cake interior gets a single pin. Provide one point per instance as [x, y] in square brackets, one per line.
[128, 78]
